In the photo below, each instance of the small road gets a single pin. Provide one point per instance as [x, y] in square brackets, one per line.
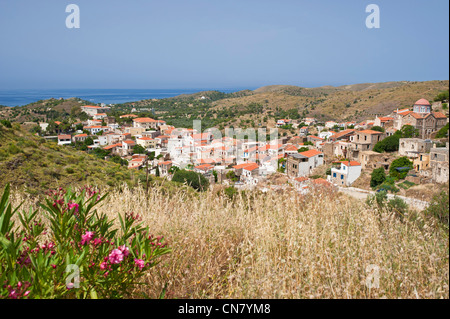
[362, 194]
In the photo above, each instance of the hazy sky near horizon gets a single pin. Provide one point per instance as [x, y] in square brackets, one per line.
[146, 44]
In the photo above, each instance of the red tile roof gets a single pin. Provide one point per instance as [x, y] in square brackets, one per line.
[112, 146]
[205, 161]
[422, 102]
[204, 167]
[291, 148]
[311, 153]
[417, 116]
[370, 132]
[322, 182]
[251, 167]
[92, 106]
[243, 165]
[144, 120]
[349, 163]
[439, 115]
[341, 134]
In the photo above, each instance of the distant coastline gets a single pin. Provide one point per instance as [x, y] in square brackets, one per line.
[107, 96]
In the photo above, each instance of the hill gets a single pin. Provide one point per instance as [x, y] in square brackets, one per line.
[36, 164]
[263, 106]
[44, 110]
[350, 102]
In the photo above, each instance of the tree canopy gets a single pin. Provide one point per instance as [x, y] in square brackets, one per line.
[400, 167]
[193, 179]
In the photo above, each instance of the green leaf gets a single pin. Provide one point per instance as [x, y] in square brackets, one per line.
[93, 294]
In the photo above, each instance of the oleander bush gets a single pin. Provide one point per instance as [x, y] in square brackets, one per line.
[66, 249]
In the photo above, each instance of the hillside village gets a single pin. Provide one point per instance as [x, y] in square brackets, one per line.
[333, 154]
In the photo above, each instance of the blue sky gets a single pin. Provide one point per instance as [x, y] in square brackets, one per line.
[146, 44]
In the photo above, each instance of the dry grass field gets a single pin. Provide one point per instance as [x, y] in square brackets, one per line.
[284, 245]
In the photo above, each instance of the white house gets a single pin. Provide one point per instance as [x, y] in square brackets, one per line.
[43, 126]
[283, 122]
[345, 172]
[147, 123]
[325, 135]
[302, 164]
[64, 139]
[330, 124]
[304, 131]
[94, 110]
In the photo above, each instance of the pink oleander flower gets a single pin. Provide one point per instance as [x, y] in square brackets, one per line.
[103, 265]
[97, 241]
[74, 205]
[26, 293]
[140, 263]
[69, 286]
[116, 256]
[124, 249]
[13, 294]
[87, 237]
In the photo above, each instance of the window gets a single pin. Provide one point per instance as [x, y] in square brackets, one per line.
[334, 174]
[342, 176]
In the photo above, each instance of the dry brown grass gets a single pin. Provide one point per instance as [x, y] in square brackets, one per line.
[285, 246]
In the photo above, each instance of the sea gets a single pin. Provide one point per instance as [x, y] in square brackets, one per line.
[107, 96]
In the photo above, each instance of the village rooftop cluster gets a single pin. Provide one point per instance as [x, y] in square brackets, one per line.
[346, 147]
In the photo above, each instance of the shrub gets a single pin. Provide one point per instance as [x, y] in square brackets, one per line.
[13, 149]
[110, 264]
[400, 167]
[231, 192]
[6, 123]
[232, 176]
[193, 179]
[439, 209]
[378, 198]
[3, 154]
[389, 144]
[398, 206]
[443, 132]
[378, 177]
[303, 149]
[378, 129]
[441, 97]
[138, 149]
[409, 131]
